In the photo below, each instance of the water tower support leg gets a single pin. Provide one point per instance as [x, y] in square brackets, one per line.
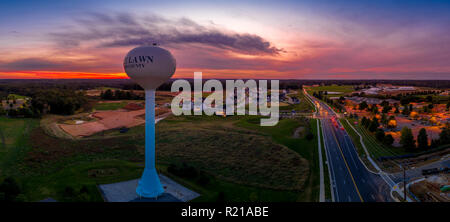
[149, 185]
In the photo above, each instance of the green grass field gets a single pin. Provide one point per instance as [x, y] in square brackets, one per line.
[110, 106]
[106, 88]
[235, 156]
[376, 148]
[333, 88]
[355, 137]
[303, 106]
[77, 175]
[15, 96]
[217, 146]
[45, 166]
[232, 192]
[343, 89]
[14, 139]
[437, 98]
[243, 161]
[306, 148]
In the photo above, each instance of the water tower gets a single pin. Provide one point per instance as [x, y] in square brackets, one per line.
[149, 66]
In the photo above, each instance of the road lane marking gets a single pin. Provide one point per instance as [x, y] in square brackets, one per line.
[328, 152]
[348, 168]
[322, 185]
[335, 192]
[349, 147]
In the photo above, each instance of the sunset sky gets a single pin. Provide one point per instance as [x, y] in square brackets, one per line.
[317, 39]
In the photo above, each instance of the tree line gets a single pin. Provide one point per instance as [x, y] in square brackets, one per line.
[55, 101]
[336, 104]
[121, 94]
[406, 98]
[407, 139]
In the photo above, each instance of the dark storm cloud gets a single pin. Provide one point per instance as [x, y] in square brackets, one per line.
[128, 30]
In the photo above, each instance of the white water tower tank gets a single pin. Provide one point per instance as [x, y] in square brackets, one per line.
[149, 66]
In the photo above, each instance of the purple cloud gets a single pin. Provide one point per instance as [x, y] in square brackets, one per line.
[31, 64]
[128, 30]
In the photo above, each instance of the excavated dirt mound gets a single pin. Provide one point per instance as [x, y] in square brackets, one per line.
[134, 106]
[107, 120]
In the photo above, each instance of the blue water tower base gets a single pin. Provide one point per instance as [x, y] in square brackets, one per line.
[149, 185]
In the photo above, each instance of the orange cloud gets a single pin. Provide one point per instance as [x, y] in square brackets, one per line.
[186, 73]
[60, 75]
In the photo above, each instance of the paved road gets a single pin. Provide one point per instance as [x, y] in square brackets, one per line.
[417, 172]
[321, 178]
[352, 181]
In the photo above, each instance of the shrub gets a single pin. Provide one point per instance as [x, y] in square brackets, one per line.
[172, 168]
[422, 139]
[253, 196]
[84, 189]
[434, 143]
[444, 136]
[380, 135]
[184, 170]
[388, 139]
[203, 180]
[20, 198]
[309, 136]
[83, 197]
[220, 197]
[373, 125]
[69, 192]
[407, 138]
[10, 188]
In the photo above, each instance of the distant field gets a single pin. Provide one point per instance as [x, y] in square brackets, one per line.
[303, 106]
[106, 88]
[110, 105]
[333, 88]
[15, 96]
[437, 98]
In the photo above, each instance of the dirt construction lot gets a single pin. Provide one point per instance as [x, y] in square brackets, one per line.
[106, 120]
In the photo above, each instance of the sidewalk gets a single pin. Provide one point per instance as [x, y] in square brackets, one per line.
[126, 191]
